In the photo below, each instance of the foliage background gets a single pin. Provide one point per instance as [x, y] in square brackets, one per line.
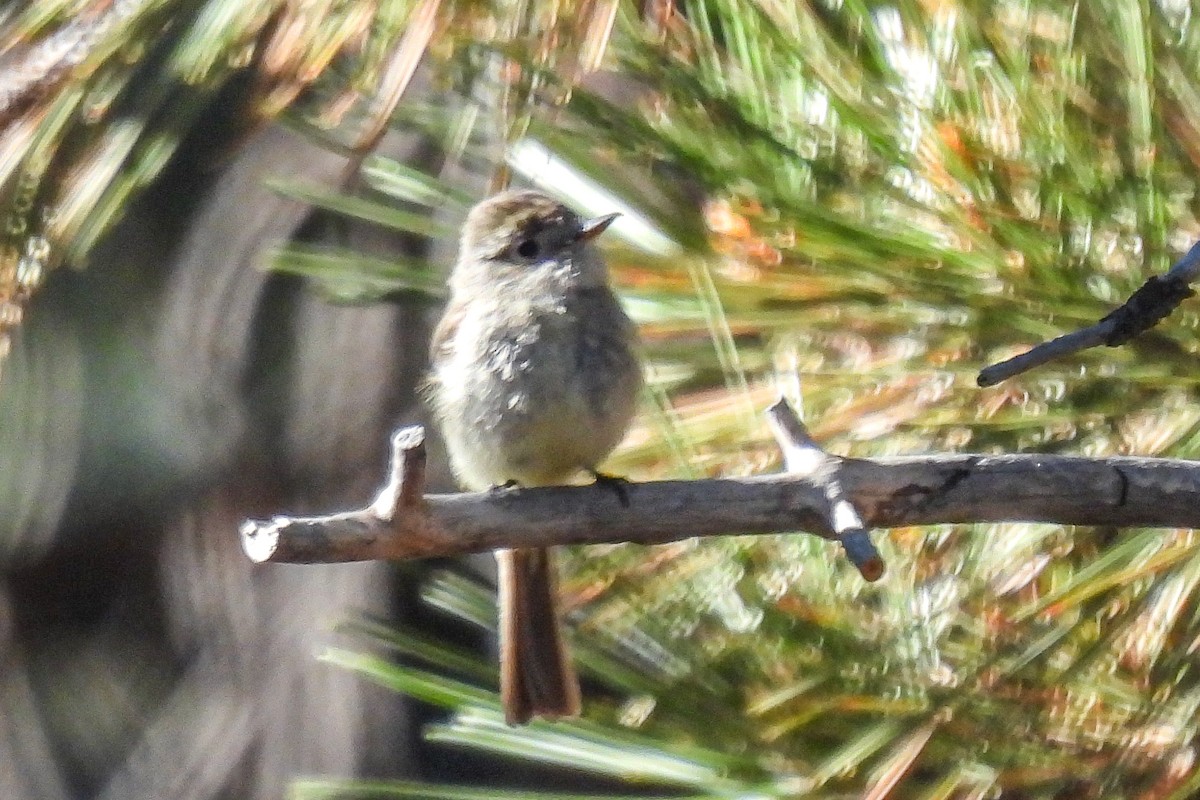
[857, 205]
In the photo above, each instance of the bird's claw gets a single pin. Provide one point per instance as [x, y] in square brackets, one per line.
[618, 484]
[506, 489]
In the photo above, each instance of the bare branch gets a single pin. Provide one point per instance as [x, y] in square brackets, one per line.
[805, 458]
[405, 488]
[1151, 303]
[919, 490]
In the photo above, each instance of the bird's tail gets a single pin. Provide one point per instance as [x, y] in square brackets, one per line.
[536, 675]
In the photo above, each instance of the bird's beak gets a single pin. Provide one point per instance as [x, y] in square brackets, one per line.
[592, 228]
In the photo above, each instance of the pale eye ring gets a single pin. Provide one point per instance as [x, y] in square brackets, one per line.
[529, 249]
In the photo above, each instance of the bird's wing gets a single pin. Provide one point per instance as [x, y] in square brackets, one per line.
[441, 345]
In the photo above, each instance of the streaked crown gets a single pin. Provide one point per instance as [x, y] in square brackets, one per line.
[497, 223]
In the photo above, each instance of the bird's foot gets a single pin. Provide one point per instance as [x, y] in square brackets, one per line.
[618, 484]
[506, 489]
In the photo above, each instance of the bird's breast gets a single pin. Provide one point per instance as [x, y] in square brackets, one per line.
[535, 394]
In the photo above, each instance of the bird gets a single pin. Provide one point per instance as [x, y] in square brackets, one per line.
[535, 374]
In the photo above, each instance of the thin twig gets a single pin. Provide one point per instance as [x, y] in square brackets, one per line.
[805, 458]
[888, 492]
[398, 72]
[1154, 300]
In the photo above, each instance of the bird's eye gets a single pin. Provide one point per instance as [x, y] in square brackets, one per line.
[528, 249]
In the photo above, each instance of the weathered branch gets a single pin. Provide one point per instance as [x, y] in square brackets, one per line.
[1151, 303]
[921, 490]
[804, 458]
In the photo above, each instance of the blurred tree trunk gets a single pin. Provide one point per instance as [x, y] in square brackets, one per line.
[162, 395]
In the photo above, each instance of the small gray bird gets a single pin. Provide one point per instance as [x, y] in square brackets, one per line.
[535, 378]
